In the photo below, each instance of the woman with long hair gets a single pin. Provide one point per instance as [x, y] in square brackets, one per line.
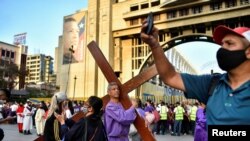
[88, 128]
[52, 130]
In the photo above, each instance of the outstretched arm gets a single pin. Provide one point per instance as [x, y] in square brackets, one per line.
[165, 69]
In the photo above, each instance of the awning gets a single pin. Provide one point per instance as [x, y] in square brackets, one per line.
[19, 92]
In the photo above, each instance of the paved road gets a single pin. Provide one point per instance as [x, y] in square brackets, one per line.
[11, 134]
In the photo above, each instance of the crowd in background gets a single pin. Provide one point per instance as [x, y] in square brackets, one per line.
[30, 115]
[175, 119]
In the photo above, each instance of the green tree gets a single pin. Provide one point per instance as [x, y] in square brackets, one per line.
[9, 72]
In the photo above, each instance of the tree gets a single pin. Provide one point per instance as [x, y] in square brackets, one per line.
[9, 72]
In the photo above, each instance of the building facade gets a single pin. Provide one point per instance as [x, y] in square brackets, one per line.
[16, 54]
[40, 69]
[115, 26]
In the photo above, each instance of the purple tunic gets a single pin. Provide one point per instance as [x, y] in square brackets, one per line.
[149, 108]
[200, 133]
[117, 121]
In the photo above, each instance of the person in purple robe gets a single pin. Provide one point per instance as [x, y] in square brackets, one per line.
[149, 108]
[117, 119]
[200, 133]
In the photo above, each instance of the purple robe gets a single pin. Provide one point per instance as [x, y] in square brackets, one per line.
[117, 121]
[149, 108]
[200, 133]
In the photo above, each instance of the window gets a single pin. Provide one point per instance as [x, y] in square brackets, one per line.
[7, 53]
[183, 12]
[134, 22]
[243, 2]
[215, 6]
[197, 9]
[171, 14]
[12, 55]
[157, 17]
[144, 5]
[3, 52]
[155, 3]
[230, 3]
[134, 8]
[174, 34]
[201, 28]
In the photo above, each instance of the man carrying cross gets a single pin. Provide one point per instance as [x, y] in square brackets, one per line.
[117, 120]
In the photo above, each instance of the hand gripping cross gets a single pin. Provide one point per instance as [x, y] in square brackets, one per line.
[124, 88]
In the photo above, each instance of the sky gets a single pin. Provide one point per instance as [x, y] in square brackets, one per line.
[42, 20]
[201, 55]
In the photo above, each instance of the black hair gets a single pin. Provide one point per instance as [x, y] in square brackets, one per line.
[6, 92]
[138, 100]
[96, 103]
[44, 106]
[70, 19]
[70, 106]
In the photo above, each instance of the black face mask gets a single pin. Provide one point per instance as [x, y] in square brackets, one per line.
[228, 60]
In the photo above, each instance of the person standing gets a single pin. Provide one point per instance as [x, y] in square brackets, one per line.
[20, 116]
[117, 119]
[179, 113]
[4, 97]
[39, 119]
[52, 130]
[89, 127]
[200, 133]
[27, 120]
[231, 94]
[193, 116]
[162, 124]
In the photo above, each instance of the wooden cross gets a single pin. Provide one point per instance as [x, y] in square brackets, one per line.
[125, 88]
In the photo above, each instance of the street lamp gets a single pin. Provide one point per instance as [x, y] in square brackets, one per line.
[74, 87]
[70, 61]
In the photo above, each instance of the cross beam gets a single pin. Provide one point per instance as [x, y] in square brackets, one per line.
[124, 88]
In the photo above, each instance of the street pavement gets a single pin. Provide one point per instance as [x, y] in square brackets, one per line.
[12, 134]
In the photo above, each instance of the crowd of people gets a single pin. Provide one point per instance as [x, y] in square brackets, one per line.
[113, 122]
[30, 115]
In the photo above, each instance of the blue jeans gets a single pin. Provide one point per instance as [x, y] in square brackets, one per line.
[177, 127]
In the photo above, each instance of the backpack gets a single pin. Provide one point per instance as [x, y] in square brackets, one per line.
[214, 81]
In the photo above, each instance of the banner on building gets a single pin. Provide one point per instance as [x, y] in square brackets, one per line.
[20, 39]
[73, 38]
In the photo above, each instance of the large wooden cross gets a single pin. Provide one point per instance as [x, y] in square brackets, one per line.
[124, 88]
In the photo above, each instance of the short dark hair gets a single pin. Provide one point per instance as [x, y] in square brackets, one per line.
[6, 92]
[69, 20]
[96, 103]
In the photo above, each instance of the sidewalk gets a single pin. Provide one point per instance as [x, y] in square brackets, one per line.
[11, 134]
